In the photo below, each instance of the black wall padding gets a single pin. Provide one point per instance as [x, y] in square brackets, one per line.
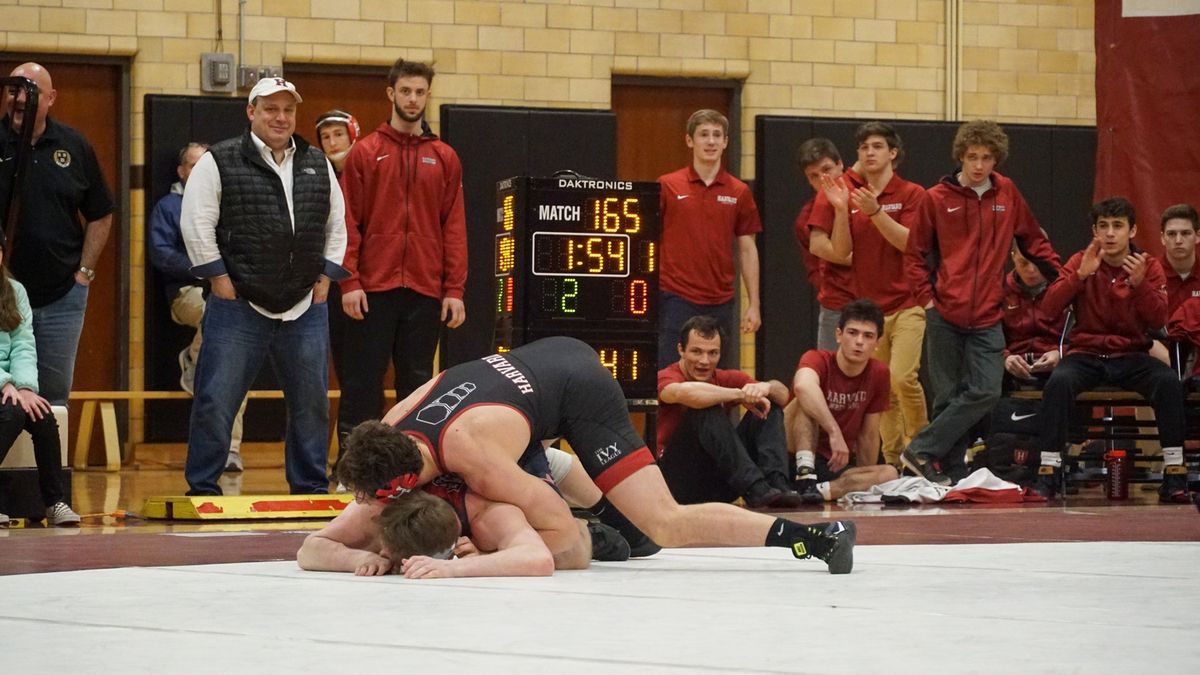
[495, 143]
[1052, 165]
[171, 123]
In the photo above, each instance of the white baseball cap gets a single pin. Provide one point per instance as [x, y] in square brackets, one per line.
[273, 85]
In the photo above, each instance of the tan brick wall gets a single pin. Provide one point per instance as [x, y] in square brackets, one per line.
[1022, 60]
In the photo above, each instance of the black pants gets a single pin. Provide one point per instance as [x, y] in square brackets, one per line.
[707, 460]
[47, 451]
[1142, 373]
[400, 325]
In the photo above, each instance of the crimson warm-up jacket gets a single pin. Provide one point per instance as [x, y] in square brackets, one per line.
[1111, 317]
[1028, 327]
[1184, 326]
[957, 251]
[405, 224]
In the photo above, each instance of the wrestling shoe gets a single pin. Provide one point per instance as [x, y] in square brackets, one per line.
[233, 464]
[640, 546]
[806, 485]
[923, 466]
[1048, 482]
[61, 515]
[831, 542]
[607, 544]
[1174, 488]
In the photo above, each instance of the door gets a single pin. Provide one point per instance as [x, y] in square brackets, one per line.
[652, 117]
[362, 92]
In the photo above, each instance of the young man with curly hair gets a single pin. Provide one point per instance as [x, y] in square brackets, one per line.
[955, 259]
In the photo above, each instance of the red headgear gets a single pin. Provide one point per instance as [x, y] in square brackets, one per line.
[397, 486]
[340, 117]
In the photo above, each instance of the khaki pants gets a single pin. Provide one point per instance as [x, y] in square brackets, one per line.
[900, 349]
[187, 309]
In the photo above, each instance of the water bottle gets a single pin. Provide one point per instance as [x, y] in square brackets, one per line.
[1117, 465]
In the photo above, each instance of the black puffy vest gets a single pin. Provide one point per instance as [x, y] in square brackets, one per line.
[270, 264]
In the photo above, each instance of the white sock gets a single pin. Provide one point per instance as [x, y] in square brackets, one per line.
[823, 488]
[560, 463]
[1173, 456]
[805, 459]
[1053, 459]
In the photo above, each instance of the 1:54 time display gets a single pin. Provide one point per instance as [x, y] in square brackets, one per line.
[574, 254]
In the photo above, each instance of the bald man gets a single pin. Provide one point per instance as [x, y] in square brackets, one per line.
[66, 213]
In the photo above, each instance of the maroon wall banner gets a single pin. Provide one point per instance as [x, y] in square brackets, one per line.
[1148, 106]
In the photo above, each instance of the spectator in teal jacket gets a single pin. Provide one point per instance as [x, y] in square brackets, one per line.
[20, 405]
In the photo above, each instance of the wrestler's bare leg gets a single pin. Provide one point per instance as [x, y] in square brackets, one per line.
[644, 498]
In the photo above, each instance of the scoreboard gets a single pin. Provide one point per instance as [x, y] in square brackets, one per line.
[579, 257]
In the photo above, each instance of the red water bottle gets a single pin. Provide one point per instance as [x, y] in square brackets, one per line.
[1117, 465]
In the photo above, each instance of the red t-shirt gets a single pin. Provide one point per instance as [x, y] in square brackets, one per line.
[699, 226]
[669, 414]
[850, 399]
[1178, 288]
[877, 267]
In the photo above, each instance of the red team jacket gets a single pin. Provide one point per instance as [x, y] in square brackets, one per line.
[405, 224]
[1179, 289]
[1111, 317]
[964, 239]
[1028, 327]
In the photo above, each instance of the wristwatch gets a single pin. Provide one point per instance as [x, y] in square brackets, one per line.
[88, 272]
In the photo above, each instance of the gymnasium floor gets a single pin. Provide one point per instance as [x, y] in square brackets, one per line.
[1089, 586]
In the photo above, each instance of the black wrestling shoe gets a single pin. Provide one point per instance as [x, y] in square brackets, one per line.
[1048, 482]
[640, 546]
[923, 466]
[607, 544]
[806, 485]
[831, 542]
[1174, 488]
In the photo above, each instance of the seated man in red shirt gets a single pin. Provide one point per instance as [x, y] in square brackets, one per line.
[702, 457]
[1179, 261]
[1031, 334]
[1119, 293]
[840, 398]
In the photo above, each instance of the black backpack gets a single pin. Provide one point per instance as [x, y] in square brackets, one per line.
[1009, 446]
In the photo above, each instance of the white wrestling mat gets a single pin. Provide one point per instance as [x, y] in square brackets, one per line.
[1015, 608]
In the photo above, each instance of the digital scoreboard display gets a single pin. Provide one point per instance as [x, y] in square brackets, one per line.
[579, 257]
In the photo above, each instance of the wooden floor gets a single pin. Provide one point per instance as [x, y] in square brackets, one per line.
[109, 539]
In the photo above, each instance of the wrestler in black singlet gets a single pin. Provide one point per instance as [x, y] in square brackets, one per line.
[559, 387]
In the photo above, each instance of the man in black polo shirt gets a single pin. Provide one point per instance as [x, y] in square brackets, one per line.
[54, 251]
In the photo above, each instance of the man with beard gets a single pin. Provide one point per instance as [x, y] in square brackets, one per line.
[406, 249]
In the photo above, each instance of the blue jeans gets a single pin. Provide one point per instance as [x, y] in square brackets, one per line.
[674, 311]
[966, 368]
[237, 340]
[56, 329]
